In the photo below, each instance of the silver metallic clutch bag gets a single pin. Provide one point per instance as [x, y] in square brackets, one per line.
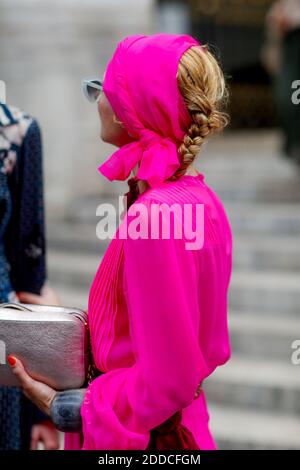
[52, 342]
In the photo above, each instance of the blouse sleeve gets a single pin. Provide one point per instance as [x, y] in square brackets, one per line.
[121, 406]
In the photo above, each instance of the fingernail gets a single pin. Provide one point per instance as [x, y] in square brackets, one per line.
[12, 361]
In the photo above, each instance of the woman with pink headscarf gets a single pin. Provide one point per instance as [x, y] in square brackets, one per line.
[158, 304]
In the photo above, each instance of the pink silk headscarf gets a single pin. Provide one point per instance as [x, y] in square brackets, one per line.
[141, 85]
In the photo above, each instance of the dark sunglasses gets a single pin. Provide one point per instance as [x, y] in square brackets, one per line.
[92, 89]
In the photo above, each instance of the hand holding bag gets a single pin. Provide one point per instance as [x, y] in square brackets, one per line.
[52, 342]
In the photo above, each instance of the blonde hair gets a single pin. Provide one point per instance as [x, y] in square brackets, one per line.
[202, 85]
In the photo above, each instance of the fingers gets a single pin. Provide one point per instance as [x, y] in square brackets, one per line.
[18, 370]
[38, 392]
[50, 296]
[29, 298]
[34, 438]
[51, 444]
[45, 433]
[46, 297]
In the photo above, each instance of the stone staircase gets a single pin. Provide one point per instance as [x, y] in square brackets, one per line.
[254, 400]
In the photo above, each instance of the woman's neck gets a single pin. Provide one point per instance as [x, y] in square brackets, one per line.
[143, 185]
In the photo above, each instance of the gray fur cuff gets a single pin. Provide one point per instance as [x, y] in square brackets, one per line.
[65, 410]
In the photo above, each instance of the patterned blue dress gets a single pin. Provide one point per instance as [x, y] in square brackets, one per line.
[22, 248]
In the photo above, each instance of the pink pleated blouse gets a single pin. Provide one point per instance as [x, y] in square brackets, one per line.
[158, 319]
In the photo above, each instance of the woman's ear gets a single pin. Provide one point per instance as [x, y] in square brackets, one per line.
[115, 119]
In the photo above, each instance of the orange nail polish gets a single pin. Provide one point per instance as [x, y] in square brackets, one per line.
[12, 361]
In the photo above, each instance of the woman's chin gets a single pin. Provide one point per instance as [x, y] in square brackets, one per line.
[118, 139]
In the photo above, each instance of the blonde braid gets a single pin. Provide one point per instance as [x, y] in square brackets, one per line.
[202, 85]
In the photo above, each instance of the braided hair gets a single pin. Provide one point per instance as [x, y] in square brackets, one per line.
[202, 85]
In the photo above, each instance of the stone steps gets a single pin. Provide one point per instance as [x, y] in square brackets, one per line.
[264, 219]
[249, 248]
[72, 269]
[250, 251]
[255, 189]
[253, 334]
[271, 292]
[247, 219]
[242, 429]
[74, 237]
[266, 385]
[256, 335]
[71, 297]
[267, 253]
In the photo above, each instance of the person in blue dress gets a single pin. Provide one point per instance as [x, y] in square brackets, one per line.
[22, 261]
